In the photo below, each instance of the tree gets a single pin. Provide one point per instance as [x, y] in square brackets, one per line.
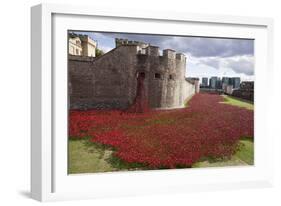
[99, 52]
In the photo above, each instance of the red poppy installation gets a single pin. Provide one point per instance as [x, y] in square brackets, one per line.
[168, 138]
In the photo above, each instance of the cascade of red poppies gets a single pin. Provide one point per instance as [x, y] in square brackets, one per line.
[168, 138]
[140, 103]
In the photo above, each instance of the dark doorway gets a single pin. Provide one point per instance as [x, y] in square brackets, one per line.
[140, 103]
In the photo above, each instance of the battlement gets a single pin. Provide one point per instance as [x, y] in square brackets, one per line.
[180, 56]
[152, 50]
[169, 53]
[147, 49]
[120, 42]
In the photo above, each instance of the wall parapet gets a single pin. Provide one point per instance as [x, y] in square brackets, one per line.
[80, 58]
[168, 54]
[152, 50]
[180, 56]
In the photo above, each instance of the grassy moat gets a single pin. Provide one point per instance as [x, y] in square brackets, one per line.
[90, 153]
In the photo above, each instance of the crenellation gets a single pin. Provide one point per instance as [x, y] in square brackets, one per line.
[119, 42]
[169, 53]
[180, 56]
[152, 50]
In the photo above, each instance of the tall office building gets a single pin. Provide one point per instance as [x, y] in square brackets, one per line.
[205, 81]
[235, 82]
[213, 82]
[218, 83]
[225, 80]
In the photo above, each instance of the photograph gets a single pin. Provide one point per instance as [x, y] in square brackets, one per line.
[156, 101]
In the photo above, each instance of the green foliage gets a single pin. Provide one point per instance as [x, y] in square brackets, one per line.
[99, 52]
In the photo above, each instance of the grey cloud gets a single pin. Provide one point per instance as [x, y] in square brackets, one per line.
[211, 62]
[195, 46]
[212, 47]
[236, 54]
[239, 64]
[244, 66]
[213, 52]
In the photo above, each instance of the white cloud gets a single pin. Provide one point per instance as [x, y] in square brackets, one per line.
[241, 64]
[238, 64]
[209, 47]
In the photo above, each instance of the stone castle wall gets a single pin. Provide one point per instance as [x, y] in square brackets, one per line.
[110, 81]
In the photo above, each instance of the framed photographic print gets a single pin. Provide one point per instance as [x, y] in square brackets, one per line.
[134, 102]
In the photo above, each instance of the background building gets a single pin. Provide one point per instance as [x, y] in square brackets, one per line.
[235, 82]
[245, 91]
[213, 82]
[74, 46]
[218, 83]
[225, 80]
[120, 42]
[88, 46]
[82, 45]
[205, 82]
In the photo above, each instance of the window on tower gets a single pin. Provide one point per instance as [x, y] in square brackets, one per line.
[157, 76]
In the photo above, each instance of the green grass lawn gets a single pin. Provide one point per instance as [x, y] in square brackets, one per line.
[90, 158]
[246, 151]
[238, 102]
[85, 158]
[244, 156]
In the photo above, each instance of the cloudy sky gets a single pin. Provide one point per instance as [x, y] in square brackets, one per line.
[206, 57]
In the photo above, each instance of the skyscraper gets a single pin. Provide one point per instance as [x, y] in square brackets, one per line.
[218, 83]
[213, 82]
[205, 81]
[235, 82]
[225, 80]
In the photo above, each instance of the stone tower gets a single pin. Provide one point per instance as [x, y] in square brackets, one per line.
[111, 80]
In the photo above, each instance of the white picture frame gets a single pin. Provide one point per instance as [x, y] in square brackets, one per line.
[49, 179]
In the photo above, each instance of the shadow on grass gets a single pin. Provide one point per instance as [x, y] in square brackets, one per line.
[244, 155]
[122, 165]
[113, 160]
[107, 153]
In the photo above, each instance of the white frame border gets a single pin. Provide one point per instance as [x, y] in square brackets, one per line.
[42, 84]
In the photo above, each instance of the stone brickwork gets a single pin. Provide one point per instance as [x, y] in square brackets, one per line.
[110, 81]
